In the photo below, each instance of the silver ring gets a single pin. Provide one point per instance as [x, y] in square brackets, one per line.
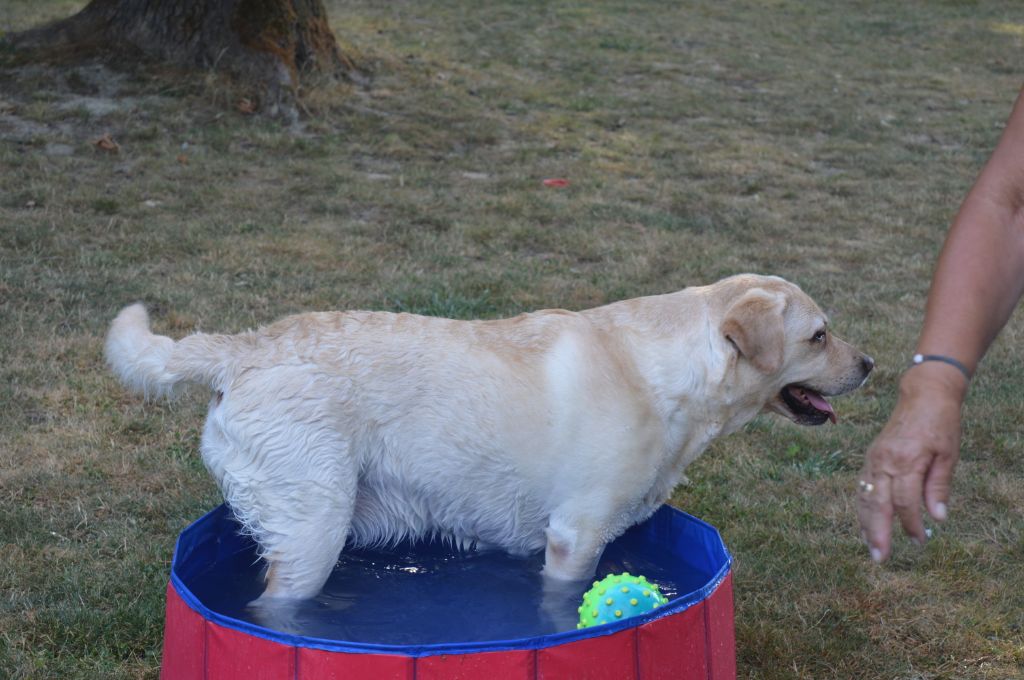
[865, 487]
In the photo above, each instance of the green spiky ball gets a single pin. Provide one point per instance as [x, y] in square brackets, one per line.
[617, 597]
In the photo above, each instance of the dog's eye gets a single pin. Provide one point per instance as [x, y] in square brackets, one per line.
[820, 336]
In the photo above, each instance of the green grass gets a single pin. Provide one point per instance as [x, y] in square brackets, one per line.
[829, 143]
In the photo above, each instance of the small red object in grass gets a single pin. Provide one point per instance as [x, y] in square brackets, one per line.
[557, 183]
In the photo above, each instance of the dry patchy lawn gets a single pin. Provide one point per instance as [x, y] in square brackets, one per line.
[826, 142]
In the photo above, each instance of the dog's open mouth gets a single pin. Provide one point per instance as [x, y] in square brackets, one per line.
[807, 406]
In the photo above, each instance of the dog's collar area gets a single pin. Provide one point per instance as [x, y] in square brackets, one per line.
[808, 406]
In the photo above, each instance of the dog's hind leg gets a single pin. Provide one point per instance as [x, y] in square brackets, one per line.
[301, 544]
[294, 490]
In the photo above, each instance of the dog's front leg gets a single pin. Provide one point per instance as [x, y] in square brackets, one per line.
[570, 559]
[573, 549]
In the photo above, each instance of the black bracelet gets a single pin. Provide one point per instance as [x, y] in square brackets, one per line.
[921, 358]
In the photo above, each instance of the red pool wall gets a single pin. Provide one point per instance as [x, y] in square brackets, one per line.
[695, 644]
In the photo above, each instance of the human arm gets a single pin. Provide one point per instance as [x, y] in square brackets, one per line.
[978, 280]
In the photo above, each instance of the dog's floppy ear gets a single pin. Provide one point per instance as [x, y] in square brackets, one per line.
[753, 324]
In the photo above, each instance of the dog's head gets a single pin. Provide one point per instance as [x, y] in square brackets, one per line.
[785, 349]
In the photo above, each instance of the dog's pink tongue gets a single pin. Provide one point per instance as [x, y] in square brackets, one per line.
[819, 402]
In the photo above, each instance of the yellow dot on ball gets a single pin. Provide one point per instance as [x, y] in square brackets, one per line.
[647, 593]
[608, 601]
[618, 613]
[625, 590]
[593, 614]
[633, 601]
[604, 591]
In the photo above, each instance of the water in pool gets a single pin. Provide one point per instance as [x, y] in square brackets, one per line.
[430, 594]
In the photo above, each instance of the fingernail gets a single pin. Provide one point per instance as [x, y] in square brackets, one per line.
[876, 555]
[940, 511]
[917, 541]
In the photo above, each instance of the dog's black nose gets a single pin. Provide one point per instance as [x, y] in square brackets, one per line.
[868, 363]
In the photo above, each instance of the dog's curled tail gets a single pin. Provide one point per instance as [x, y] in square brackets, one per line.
[155, 364]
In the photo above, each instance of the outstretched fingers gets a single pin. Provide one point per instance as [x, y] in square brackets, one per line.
[896, 481]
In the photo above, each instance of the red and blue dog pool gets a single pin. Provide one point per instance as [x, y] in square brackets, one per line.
[430, 610]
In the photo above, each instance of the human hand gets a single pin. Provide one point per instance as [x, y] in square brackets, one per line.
[912, 459]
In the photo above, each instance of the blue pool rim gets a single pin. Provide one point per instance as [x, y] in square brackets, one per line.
[689, 538]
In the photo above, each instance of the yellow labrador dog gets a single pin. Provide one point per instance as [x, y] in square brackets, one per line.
[551, 431]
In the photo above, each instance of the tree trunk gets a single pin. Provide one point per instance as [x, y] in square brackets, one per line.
[274, 43]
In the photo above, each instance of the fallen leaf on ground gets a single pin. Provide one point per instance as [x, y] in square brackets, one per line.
[107, 143]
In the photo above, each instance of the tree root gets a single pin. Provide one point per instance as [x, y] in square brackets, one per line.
[271, 44]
